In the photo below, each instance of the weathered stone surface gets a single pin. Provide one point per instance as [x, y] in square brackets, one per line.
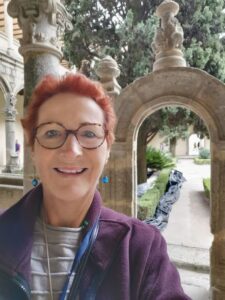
[9, 195]
[168, 39]
[107, 69]
[181, 86]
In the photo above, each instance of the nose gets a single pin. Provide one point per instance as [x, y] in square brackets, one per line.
[71, 145]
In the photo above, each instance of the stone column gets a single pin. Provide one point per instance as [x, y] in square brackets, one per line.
[10, 119]
[42, 22]
[107, 70]
[117, 193]
[8, 26]
[217, 205]
[168, 39]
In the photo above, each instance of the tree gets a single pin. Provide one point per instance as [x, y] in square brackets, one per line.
[124, 29]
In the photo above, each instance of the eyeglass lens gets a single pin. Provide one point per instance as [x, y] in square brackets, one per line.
[53, 135]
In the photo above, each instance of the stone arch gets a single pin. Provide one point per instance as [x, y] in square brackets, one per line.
[18, 89]
[187, 87]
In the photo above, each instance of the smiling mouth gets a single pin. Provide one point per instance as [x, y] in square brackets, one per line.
[70, 172]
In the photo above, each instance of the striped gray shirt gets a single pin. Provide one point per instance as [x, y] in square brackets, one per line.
[63, 243]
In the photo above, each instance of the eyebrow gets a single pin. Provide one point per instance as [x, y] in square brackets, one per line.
[81, 124]
[90, 123]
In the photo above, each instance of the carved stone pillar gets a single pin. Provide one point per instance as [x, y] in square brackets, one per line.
[42, 22]
[218, 221]
[10, 119]
[117, 193]
[8, 26]
[168, 38]
[108, 70]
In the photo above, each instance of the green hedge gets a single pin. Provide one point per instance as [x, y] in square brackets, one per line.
[207, 186]
[201, 161]
[149, 201]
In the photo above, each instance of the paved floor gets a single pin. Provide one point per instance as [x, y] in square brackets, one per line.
[189, 225]
[189, 221]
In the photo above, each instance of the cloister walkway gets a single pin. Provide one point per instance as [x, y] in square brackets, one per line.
[189, 221]
[188, 231]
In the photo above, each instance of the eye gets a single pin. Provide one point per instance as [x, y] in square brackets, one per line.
[88, 134]
[52, 133]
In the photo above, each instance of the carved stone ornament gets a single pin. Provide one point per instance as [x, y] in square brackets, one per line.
[169, 37]
[42, 21]
[10, 109]
[107, 70]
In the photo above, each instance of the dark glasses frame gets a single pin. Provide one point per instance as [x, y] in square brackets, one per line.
[69, 131]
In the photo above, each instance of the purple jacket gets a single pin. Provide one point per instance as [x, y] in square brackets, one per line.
[131, 255]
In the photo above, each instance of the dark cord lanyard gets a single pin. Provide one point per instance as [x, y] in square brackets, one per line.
[86, 244]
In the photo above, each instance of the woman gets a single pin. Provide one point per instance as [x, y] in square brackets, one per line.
[58, 241]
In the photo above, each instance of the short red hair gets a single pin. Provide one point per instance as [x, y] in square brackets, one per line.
[70, 83]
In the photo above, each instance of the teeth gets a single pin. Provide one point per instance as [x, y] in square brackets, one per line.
[77, 171]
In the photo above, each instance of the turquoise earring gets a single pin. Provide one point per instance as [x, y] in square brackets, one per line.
[35, 180]
[105, 179]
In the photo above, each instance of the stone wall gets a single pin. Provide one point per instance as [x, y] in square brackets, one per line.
[9, 195]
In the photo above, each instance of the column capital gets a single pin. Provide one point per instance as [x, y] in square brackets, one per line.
[43, 22]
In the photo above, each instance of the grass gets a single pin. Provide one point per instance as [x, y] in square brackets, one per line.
[202, 161]
[207, 186]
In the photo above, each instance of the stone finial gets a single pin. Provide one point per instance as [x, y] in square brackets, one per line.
[43, 22]
[107, 70]
[168, 39]
[85, 67]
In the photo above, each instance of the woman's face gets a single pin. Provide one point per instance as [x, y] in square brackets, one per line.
[70, 171]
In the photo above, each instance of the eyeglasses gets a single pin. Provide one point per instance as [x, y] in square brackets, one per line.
[53, 135]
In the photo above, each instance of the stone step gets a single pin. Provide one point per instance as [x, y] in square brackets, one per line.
[195, 284]
[190, 258]
[11, 187]
[11, 179]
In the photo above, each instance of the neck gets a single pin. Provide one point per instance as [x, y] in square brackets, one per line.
[62, 213]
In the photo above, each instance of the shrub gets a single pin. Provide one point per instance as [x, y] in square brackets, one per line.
[200, 161]
[157, 159]
[207, 186]
[149, 201]
[204, 153]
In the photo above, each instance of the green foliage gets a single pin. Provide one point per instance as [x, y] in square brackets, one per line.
[157, 159]
[204, 153]
[207, 186]
[175, 122]
[201, 161]
[149, 201]
[175, 114]
[125, 30]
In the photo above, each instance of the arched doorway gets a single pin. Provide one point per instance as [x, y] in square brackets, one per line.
[203, 94]
[194, 144]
